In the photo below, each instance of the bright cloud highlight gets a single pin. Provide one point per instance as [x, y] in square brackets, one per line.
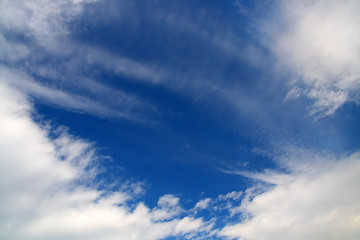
[319, 41]
[321, 204]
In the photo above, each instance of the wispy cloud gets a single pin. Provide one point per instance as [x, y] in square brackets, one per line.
[122, 65]
[48, 37]
[268, 176]
[43, 30]
[119, 105]
[42, 21]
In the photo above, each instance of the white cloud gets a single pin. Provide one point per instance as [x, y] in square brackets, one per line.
[45, 21]
[267, 176]
[203, 204]
[234, 195]
[168, 207]
[188, 224]
[321, 204]
[43, 193]
[319, 41]
[227, 202]
[45, 24]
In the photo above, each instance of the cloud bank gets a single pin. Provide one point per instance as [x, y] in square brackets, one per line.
[318, 204]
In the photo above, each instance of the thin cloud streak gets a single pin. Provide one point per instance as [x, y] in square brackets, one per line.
[267, 176]
[121, 108]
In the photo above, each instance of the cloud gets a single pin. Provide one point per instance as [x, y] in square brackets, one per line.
[268, 176]
[45, 26]
[43, 34]
[121, 65]
[40, 32]
[319, 42]
[315, 205]
[48, 188]
[203, 204]
[168, 207]
[234, 195]
[44, 21]
[115, 103]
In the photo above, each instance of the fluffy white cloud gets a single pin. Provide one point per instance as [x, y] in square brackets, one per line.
[319, 204]
[44, 191]
[203, 204]
[319, 41]
[168, 207]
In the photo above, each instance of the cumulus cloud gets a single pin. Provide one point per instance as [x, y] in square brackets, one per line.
[168, 207]
[203, 204]
[319, 42]
[45, 193]
[320, 204]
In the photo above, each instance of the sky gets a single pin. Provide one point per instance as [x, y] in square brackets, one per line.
[175, 119]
